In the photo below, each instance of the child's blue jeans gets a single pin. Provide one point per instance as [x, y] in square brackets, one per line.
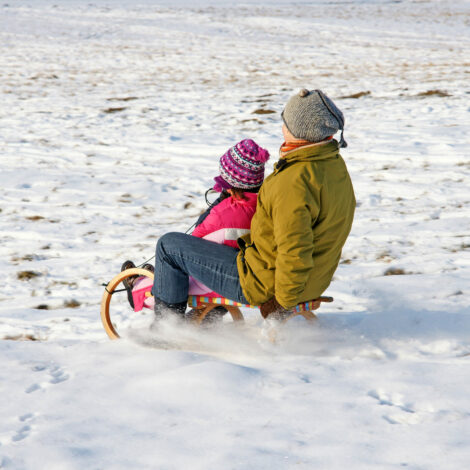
[179, 256]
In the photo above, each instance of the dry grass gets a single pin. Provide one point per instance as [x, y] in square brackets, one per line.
[21, 337]
[395, 272]
[356, 95]
[27, 275]
[114, 110]
[439, 93]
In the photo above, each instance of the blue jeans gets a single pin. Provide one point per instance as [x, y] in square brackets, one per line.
[179, 256]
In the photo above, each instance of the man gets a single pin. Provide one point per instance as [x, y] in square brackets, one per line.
[303, 217]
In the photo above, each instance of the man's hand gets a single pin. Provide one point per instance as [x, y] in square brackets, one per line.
[273, 309]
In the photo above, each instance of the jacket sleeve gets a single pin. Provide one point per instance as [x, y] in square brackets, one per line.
[293, 215]
[205, 214]
[210, 224]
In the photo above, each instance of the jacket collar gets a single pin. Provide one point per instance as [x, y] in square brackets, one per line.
[316, 151]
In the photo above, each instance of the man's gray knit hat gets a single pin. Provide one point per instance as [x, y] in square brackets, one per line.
[312, 116]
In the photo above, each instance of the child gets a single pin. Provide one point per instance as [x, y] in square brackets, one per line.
[241, 175]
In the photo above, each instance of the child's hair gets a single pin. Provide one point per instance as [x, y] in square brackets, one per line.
[237, 193]
[242, 167]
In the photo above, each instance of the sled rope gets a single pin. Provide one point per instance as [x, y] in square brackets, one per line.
[150, 259]
[114, 291]
[105, 285]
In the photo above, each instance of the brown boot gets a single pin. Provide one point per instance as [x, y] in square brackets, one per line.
[129, 282]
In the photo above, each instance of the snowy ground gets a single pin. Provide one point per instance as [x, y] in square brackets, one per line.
[113, 116]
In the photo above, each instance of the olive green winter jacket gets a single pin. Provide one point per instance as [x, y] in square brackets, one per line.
[303, 217]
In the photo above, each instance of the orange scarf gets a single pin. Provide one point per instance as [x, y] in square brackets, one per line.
[295, 144]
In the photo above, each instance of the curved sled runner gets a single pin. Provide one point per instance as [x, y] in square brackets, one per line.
[201, 304]
[109, 291]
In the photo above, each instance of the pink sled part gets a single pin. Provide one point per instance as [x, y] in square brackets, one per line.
[144, 285]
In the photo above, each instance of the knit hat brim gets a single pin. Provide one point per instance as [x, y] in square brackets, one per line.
[221, 184]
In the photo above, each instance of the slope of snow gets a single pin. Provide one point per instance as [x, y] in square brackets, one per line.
[114, 115]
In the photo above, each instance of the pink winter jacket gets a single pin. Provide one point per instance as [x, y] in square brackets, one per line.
[226, 222]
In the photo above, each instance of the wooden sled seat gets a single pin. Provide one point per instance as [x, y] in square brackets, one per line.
[207, 304]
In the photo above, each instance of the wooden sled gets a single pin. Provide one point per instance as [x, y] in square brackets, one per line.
[202, 305]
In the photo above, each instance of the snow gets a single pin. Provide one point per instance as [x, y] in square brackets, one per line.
[114, 115]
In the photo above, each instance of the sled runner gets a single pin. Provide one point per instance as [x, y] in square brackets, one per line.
[202, 305]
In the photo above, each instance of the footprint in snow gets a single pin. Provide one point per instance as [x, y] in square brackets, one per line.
[56, 375]
[24, 431]
[32, 388]
[401, 413]
[395, 401]
[26, 417]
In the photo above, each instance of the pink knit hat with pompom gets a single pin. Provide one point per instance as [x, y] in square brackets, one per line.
[242, 166]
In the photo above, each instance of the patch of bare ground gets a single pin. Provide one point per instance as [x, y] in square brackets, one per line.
[385, 257]
[42, 307]
[355, 95]
[37, 218]
[263, 111]
[71, 284]
[114, 110]
[72, 303]
[396, 272]
[438, 93]
[28, 257]
[21, 337]
[27, 275]
[125, 198]
[461, 247]
[127, 98]
[257, 121]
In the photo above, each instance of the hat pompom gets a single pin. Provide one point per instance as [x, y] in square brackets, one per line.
[263, 155]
